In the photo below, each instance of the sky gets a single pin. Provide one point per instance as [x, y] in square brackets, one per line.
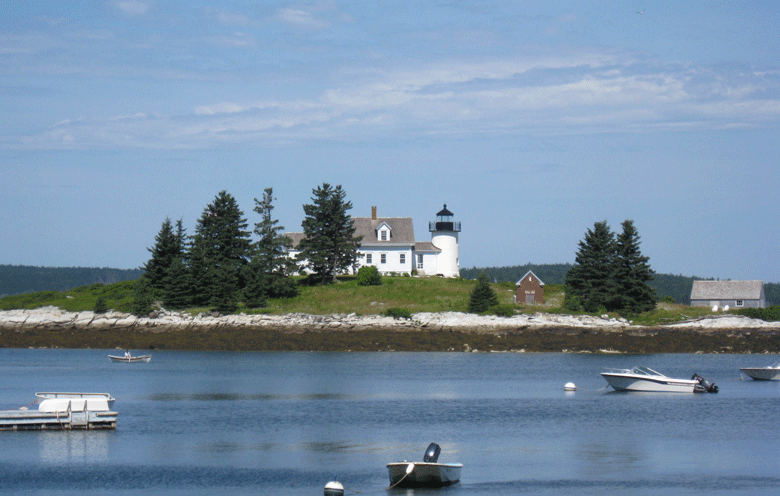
[532, 121]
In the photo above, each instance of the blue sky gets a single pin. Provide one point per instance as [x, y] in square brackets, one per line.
[531, 120]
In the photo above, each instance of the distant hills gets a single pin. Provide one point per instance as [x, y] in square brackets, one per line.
[18, 279]
[678, 287]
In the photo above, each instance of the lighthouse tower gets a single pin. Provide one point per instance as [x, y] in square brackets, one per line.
[444, 236]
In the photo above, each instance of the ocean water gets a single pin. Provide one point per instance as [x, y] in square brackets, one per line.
[200, 423]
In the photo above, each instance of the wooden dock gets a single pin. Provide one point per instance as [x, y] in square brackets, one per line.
[63, 411]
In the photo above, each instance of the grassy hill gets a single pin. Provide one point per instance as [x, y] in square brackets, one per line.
[426, 294]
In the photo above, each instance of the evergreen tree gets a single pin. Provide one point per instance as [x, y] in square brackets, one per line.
[219, 252]
[482, 297]
[631, 274]
[167, 247]
[268, 273]
[590, 279]
[329, 245]
[142, 297]
[176, 291]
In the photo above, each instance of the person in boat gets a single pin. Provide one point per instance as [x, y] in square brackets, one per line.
[127, 354]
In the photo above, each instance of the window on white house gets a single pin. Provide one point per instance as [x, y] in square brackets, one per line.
[368, 258]
[383, 258]
[403, 258]
[384, 235]
[740, 303]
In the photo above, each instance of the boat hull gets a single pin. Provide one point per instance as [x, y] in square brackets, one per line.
[762, 373]
[138, 359]
[424, 474]
[628, 382]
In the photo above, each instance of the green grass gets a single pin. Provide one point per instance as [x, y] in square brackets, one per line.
[423, 294]
[118, 296]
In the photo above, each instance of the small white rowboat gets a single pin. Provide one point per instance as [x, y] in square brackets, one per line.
[132, 359]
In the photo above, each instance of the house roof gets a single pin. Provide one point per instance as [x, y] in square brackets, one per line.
[401, 231]
[425, 246]
[296, 238]
[541, 283]
[727, 290]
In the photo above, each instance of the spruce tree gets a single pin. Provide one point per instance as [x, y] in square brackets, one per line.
[176, 291]
[482, 297]
[329, 246]
[631, 274]
[167, 246]
[142, 297]
[268, 273]
[218, 254]
[590, 280]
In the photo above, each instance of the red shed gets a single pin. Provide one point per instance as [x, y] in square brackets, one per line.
[530, 290]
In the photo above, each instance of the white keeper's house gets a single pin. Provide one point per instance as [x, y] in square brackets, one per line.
[388, 243]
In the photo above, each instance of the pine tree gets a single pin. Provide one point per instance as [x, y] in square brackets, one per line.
[268, 273]
[142, 297]
[166, 248]
[219, 252]
[482, 297]
[329, 246]
[176, 291]
[590, 280]
[631, 274]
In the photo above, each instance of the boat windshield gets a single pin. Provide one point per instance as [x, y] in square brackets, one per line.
[645, 371]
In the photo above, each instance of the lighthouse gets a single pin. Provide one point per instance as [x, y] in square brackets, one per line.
[444, 236]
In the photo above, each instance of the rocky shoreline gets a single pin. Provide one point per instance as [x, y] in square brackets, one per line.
[448, 331]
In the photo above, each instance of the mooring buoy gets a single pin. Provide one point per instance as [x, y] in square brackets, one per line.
[334, 488]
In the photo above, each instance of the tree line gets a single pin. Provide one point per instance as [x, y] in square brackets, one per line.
[220, 266]
[19, 279]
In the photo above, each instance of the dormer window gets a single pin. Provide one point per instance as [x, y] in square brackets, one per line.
[383, 232]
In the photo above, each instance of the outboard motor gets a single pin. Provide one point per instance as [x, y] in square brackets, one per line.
[432, 453]
[708, 387]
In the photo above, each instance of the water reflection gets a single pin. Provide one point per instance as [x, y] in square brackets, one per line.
[74, 446]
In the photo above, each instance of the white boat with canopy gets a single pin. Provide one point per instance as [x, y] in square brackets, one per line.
[648, 380]
[770, 373]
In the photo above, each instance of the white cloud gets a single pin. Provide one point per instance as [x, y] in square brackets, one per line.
[301, 18]
[561, 95]
[132, 7]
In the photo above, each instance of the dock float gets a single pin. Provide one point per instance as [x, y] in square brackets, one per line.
[63, 411]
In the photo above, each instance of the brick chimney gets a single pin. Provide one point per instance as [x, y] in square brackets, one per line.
[373, 213]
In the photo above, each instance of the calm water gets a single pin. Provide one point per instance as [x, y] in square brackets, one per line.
[287, 423]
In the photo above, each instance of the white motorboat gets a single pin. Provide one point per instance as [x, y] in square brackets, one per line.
[427, 473]
[63, 411]
[771, 373]
[130, 359]
[648, 380]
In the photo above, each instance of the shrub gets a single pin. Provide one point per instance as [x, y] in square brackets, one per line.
[768, 314]
[667, 299]
[505, 310]
[572, 303]
[397, 313]
[369, 276]
[100, 305]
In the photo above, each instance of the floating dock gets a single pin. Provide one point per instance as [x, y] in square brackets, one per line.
[63, 411]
